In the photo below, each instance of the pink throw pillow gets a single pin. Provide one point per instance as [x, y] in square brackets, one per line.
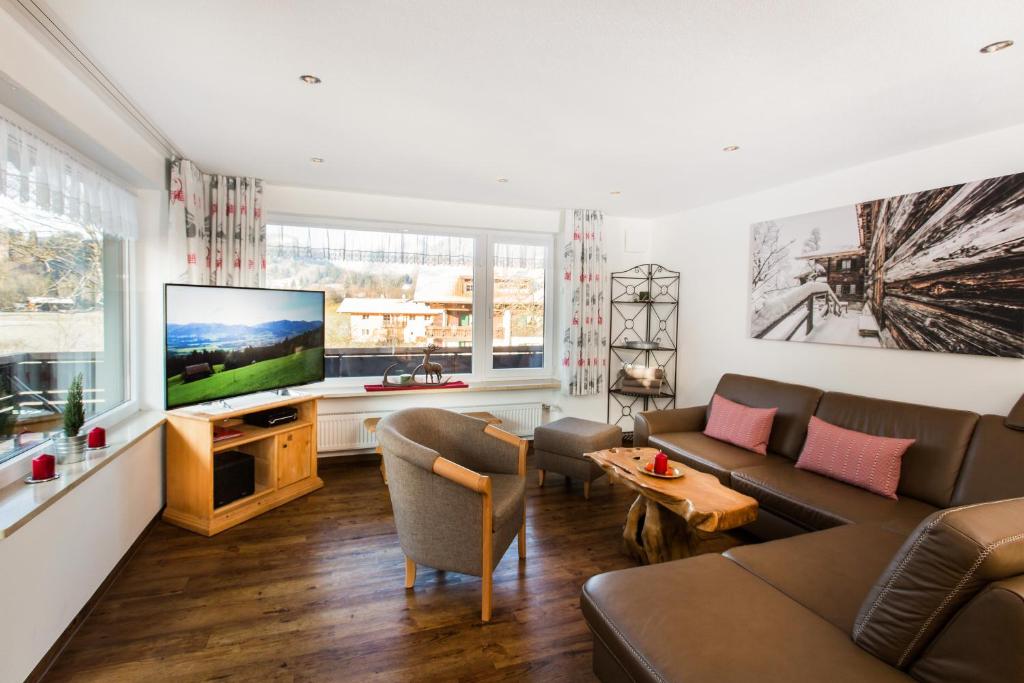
[740, 425]
[863, 460]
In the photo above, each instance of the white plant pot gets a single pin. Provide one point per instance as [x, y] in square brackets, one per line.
[69, 449]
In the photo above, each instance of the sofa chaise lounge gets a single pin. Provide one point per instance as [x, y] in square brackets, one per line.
[851, 586]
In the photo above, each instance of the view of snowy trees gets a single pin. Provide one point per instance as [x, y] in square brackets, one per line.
[795, 295]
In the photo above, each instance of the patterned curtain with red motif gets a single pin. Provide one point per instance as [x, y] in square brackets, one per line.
[220, 219]
[583, 296]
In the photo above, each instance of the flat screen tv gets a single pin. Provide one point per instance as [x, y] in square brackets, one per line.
[222, 342]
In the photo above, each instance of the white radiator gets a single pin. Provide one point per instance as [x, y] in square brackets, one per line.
[345, 431]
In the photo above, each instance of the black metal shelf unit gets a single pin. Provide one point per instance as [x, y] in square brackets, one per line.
[644, 313]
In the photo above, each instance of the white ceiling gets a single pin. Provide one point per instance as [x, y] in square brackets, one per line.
[569, 99]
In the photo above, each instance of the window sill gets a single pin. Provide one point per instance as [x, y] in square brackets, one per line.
[357, 391]
[21, 502]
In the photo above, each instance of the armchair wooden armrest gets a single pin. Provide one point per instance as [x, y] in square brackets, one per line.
[522, 444]
[480, 483]
[463, 476]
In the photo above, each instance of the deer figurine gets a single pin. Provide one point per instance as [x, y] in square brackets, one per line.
[431, 371]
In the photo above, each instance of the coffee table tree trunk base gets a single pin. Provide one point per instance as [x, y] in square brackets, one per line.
[654, 534]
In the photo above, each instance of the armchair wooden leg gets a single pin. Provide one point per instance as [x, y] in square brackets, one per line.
[586, 490]
[485, 603]
[540, 477]
[410, 573]
[522, 540]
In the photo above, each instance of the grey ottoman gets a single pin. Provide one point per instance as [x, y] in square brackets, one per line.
[560, 446]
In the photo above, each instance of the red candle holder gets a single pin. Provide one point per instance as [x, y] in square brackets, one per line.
[97, 438]
[661, 463]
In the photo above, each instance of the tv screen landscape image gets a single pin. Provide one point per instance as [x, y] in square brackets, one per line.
[227, 341]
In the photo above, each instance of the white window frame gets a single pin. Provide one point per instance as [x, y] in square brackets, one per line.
[494, 238]
[484, 240]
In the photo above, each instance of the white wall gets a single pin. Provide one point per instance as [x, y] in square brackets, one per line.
[280, 200]
[628, 242]
[61, 102]
[54, 564]
[709, 245]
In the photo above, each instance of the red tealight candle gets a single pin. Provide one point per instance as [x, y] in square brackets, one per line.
[43, 466]
[660, 463]
[97, 437]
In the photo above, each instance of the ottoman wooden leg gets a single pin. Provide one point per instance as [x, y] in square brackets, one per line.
[586, 490]
[540, 477]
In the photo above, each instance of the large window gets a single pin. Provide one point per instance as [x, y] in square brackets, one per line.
[391, 293]
[62, 312]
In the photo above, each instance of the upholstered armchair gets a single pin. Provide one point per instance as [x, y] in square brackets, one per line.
[457, 488]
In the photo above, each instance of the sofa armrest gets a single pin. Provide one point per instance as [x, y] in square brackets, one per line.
[661, 421]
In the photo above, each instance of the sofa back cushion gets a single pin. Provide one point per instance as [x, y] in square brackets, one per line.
[863, 460]
[951, 556]
[795, 404]
[993, 468]
[740, 425]
[930, 466]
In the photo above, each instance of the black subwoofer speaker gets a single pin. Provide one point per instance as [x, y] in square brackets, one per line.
[234, 477]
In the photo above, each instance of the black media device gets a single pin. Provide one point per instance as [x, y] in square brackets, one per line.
[272, 417]
[234, 477]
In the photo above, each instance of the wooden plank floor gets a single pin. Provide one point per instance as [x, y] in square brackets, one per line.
[313, 591]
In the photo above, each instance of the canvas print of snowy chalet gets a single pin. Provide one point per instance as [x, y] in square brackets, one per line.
[940, 270]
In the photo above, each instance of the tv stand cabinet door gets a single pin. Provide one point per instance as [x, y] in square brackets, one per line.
[294, 461]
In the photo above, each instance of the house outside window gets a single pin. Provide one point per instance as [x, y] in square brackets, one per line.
[390, 293]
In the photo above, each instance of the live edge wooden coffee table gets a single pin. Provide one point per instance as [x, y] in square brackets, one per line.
[674, 518]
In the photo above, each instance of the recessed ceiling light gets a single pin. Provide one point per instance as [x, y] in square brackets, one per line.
[502, 180]
[996, 46]
[317, 160]
[310, 79]
[616, 193]
[731, 148]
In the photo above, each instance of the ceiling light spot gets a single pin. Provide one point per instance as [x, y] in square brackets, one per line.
[317, 160]
[731, 148]
[310, 79]
[996, 46]
[502, 180]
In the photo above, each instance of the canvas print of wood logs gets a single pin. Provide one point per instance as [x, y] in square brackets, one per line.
[939, 270]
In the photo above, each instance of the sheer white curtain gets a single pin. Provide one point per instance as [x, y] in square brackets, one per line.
[47, 176]
[584, 300]
[219, 220]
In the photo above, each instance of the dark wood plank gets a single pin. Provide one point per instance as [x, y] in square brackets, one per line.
[314, 591]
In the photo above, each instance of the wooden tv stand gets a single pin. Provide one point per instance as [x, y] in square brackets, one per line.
[285, 464]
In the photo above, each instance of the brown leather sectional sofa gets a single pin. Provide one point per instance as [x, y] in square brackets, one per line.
[851, 586]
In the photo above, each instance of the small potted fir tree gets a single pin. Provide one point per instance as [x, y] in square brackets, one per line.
[69, 444]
